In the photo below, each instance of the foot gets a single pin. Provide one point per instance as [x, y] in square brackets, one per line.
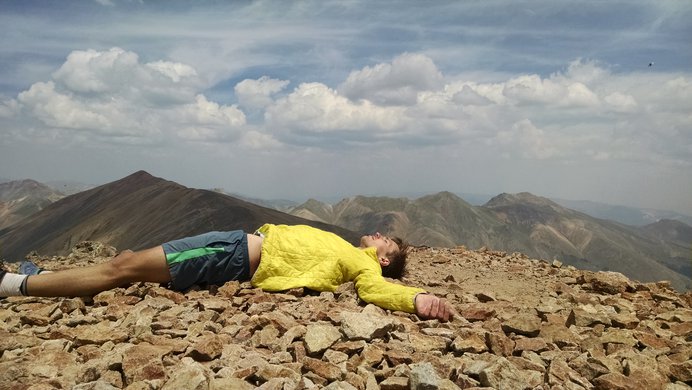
[29, 268]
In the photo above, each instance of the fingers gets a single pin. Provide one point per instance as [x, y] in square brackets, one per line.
[432, 307]
[451, 313]
[443, 311]
[422, 304]
[427, 307]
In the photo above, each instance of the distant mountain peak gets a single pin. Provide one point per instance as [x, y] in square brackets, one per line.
[20, 183]
[141, 178]
[444, 197]
[22, 198]
[313, 201]
[506, 199]
[671, 230]
[27, 187]
[447, 195]
[441, 194]
[141, 174]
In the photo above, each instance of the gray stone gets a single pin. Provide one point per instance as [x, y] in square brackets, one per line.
[589, 315]
[319, 337]
[423, 377]
[359, 326]
[143, 362]
[394, 383]
[607, 282]
[504, 375]
[95, 385]
[271, 371]
[523, 324]
[324, 369]
[682, 371]
[615, 381]
[340, 385]
[189, 375]
[470, 342]
[226, 383]
[207, 348]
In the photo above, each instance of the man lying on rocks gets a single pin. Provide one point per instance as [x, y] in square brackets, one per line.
[274, 258]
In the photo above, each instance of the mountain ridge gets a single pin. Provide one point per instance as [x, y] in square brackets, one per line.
[139, 211]
[523, 222]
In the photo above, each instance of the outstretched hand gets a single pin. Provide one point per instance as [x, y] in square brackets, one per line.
[429, 306]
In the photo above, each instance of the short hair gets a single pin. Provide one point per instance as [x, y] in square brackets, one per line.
[397, 260]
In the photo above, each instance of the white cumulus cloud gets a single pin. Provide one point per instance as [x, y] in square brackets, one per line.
[570, 114]
[255, 94]
[316, 108]
[256, 140]
[525, 139]
[8, 108]
[92, 71]
[583, 112]
[205, 120]
[567, 89]
[393, 83]
[533, 89]
[621, 102]
[205, 112]
[111, 93]
[174, 70]
[57, 109]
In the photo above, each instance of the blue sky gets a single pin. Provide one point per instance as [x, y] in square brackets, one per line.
[335, 98]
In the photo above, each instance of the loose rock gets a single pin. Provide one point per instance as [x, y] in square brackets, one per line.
[523, 323]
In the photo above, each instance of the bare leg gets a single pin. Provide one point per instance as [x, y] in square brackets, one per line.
[148, 265]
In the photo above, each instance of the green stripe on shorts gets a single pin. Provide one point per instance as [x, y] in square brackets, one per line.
[179, 257]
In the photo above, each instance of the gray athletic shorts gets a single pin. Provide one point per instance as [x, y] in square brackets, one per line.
[210, 258]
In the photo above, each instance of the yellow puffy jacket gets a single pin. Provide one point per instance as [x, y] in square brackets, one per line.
[302, 256]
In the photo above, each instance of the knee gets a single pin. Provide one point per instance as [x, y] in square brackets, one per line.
[121, 266]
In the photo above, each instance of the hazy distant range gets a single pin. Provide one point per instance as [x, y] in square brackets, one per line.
[624, 214]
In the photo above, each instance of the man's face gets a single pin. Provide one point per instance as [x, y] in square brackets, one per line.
[383, 244]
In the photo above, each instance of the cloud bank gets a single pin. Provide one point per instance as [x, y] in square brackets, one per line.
[111, 94]
[584, 111]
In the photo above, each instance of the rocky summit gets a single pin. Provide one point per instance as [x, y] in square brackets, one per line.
[522, 324]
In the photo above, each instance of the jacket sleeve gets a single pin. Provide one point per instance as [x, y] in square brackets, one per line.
[373, 288]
